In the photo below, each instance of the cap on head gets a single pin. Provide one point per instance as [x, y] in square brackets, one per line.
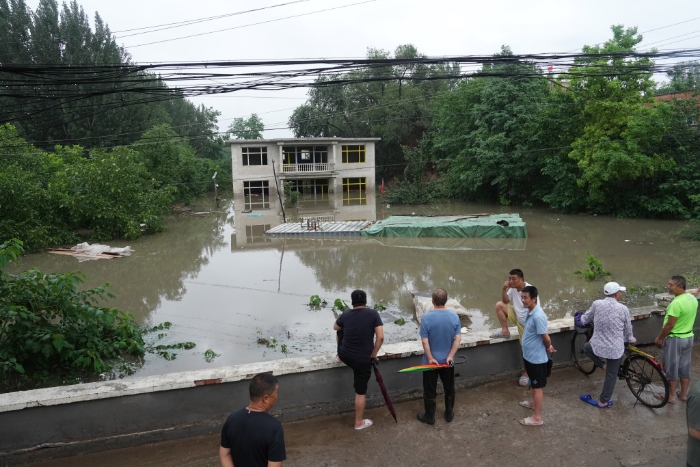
[611, 288]
[358, 297]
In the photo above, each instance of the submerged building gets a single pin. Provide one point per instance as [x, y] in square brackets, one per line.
[317, 167]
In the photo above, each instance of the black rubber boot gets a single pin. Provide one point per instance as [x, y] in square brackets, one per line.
[449, 408]
[429, 415]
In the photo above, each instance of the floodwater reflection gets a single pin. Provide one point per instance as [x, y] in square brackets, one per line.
[227, 287]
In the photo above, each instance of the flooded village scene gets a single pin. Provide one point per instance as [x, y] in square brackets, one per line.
[199, 206]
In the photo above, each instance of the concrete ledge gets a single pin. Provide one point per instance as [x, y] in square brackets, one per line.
[68, 420]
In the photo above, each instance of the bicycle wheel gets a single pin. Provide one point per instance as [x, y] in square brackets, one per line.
[646, 381]
[583, 363]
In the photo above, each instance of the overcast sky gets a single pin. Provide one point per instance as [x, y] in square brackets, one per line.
[349, 27]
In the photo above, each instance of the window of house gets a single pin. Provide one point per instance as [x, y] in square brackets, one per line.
[304, 154]
[354, 154]
[354, 191]
[254, 156]
[256, 194]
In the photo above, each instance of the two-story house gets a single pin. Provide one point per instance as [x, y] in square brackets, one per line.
[319, 169]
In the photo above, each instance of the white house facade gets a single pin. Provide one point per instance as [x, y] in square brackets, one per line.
[319, 169]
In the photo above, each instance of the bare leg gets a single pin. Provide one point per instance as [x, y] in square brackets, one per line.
[536, 403]
[672, 390]
[502, 315]
[359, 409]
[685, 382]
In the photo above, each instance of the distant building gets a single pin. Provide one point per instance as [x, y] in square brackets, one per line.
[317, 167]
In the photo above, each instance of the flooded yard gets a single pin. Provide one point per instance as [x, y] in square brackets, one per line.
[226, 287]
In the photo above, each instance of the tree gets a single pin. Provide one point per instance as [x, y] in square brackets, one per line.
[247, 128]
[682, 77]
[614, 92]
[485, 132]
[389, 102]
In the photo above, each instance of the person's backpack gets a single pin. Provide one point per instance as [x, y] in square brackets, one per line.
[578, 324]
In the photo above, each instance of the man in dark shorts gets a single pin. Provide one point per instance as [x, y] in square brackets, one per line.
[358, 346]
[536, 344]
[251, 436]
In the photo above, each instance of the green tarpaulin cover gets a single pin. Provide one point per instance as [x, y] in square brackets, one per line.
[466, 226]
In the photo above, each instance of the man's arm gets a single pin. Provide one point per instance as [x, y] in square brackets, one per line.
[666, 330]
[336, 327]
[504, 292]
[225, 457]
[426, 349]
[547, 342]
[379, 333]
[454, 348]
[274, 464]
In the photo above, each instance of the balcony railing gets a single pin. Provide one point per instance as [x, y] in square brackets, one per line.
[307, 167]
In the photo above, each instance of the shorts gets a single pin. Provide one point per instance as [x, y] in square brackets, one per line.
[676, 357]
[514, 320]
[361, 373]
[537, 373]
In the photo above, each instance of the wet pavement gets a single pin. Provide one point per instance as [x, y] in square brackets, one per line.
[485, 431]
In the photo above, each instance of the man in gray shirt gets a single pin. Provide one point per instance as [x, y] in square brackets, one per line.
[612, 328]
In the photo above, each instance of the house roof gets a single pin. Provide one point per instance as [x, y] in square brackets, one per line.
[296, 140]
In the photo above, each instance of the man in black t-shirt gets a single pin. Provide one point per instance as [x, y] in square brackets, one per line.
[358, 346]
[251, 436]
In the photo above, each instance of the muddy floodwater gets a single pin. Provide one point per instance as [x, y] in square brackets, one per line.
[225, 286]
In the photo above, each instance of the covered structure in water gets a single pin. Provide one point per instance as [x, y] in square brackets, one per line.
[467, 226]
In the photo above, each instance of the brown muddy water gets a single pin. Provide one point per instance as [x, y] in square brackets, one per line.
[225, 286]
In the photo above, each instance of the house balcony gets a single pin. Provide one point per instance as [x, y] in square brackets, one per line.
[305, 169]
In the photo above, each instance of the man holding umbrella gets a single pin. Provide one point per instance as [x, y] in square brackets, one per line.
[358, 347]
[440, 334]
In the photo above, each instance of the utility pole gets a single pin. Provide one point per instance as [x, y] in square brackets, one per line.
[216, 191]
[274, 174]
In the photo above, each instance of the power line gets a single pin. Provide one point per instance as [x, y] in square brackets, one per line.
[251, 24]
[165, 26]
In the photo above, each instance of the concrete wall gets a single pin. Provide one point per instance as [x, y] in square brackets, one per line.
[64, 421]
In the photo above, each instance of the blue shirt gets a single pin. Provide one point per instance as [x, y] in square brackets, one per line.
[440, 328]
[533, 344]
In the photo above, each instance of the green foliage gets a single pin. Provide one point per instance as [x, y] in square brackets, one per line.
[112, 193]
[379, 306]
[595, 269]
[339, 305]
[685, 76]
[400, 322]
[693, 230]
[54, 333]
[50, 329]
[291, 197]
[210, 355]
[397, 110]
[247, 128]
[316, 302]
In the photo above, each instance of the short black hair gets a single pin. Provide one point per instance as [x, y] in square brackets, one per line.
[679, 281]
[517, 272]
[358, 297]
[440, 297]
[531, 291]
[262, 384]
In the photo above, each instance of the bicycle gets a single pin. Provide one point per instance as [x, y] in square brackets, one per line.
[644, 374]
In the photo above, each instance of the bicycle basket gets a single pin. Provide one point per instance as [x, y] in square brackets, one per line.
[578, 324]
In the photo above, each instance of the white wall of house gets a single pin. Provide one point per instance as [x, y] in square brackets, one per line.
[252, 173]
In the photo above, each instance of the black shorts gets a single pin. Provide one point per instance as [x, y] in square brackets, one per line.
[361, 372]
[537, 372]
